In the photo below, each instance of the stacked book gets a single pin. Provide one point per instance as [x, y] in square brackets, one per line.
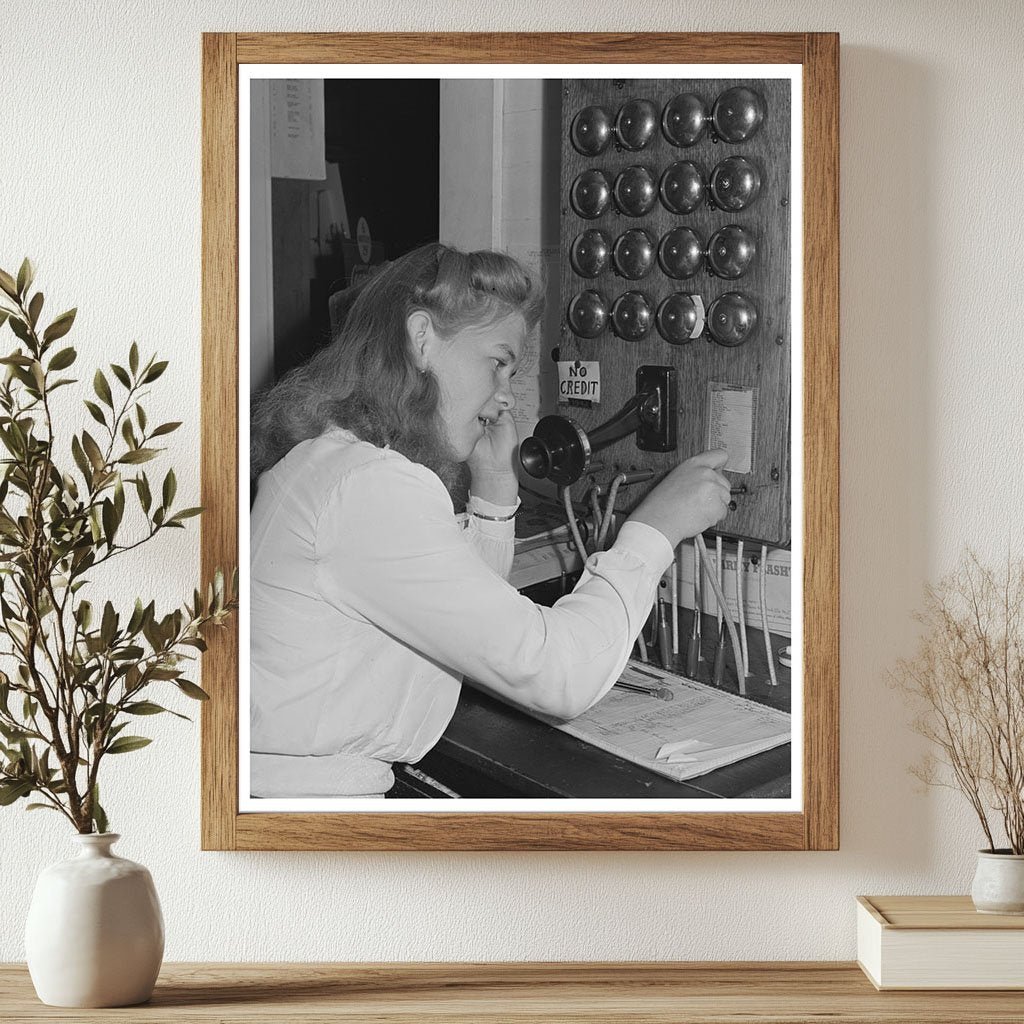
[938, 942]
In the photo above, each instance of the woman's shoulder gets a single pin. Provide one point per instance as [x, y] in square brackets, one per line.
[334, 447]
[339, 446]
[338, 458]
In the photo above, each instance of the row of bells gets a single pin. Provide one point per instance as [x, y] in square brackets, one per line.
[736, 116]
[680, 253]
[730, 321]
[734, 184]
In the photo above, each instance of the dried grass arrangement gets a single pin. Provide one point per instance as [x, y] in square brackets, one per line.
[967, 684]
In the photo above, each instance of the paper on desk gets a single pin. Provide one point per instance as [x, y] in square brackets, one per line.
[703, 752]
[700, 730]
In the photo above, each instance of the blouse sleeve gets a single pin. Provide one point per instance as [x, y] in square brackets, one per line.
[389, 549]
[493, 537]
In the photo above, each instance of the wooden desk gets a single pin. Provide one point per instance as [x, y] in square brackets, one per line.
[492, 750]
[784, 993]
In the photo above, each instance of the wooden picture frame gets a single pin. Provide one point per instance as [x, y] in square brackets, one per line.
[816, 826]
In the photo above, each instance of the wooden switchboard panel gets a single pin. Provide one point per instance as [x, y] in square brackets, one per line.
[743, 392]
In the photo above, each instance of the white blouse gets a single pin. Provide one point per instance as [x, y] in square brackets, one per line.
[372, 599]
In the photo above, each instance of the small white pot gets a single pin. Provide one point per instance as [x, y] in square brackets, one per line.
[999, 883]
[95, 933]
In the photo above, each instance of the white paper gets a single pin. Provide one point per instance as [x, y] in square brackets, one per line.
[699, 730]
[297, 129]
[731, 424]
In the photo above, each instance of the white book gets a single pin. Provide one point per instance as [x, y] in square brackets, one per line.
[938, 942]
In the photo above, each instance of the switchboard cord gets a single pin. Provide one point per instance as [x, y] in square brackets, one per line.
[625, 479]
[609, 510]
[733, 636]
[763, 588]
[595, 508]
[698, 589]
[652, 618]
[702, 561]
[570, 515]
[693, 649]
[718, 573]
[642, 645]
[675, 603]
[718, 672]
[741, 601]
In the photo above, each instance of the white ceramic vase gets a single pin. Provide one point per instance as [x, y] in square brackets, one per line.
[999, 883]
[95, 933]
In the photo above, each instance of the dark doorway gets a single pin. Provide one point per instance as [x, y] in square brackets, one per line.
[384, 136]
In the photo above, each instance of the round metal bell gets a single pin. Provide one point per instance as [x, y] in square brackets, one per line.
[588, 314]
[732, 319]
[590, 194]
[682, 187]
[635, 191]
[684, 119]
[738, 114]
[590, 253]
[634, 254]
[636, 124]
[632, 316]
[735, 184]
[591, 131]
[677, 318]
[731, 250]
[680, 253]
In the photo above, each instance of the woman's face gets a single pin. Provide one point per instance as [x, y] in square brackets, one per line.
[474, 368]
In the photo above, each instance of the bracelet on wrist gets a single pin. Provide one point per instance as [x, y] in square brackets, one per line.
[495, 519]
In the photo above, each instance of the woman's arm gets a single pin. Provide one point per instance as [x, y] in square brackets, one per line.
[491, 530]
[390, 549]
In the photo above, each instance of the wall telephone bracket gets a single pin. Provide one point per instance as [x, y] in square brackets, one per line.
[656, 431]
[560, 450]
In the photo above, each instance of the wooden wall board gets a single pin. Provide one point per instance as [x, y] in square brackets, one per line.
[761, 365]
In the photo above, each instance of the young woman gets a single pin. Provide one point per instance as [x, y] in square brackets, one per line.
[371, 597]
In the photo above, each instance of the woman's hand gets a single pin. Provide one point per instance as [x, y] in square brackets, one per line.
[491, 465]
[690, 500]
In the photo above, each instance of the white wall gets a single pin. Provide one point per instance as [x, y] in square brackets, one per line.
[100, 182]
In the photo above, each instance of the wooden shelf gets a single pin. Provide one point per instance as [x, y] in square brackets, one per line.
[659, 993]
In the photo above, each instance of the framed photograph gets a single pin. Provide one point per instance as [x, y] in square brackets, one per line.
[648, 226]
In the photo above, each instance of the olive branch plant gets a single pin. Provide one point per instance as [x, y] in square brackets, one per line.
[967, 684]
[79, 673]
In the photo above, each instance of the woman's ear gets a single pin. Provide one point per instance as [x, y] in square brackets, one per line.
[419, 327]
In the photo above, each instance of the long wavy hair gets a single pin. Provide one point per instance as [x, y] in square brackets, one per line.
[366, 379]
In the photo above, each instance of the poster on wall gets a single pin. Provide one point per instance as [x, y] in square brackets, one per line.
[460, 623]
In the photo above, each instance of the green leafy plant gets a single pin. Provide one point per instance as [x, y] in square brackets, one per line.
[77, 673]
[967, 683]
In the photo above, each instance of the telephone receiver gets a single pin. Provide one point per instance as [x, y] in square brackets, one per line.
[560, 450]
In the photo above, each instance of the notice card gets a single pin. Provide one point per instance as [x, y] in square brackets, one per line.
[297, 129]
[731, 424]
[699, 730]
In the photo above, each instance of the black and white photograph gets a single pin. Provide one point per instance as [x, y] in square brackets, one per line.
[520, 372]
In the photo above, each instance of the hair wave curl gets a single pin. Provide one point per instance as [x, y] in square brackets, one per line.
[366, 379]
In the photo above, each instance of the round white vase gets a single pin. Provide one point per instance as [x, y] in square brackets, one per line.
[999, 883]
[95, 933]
